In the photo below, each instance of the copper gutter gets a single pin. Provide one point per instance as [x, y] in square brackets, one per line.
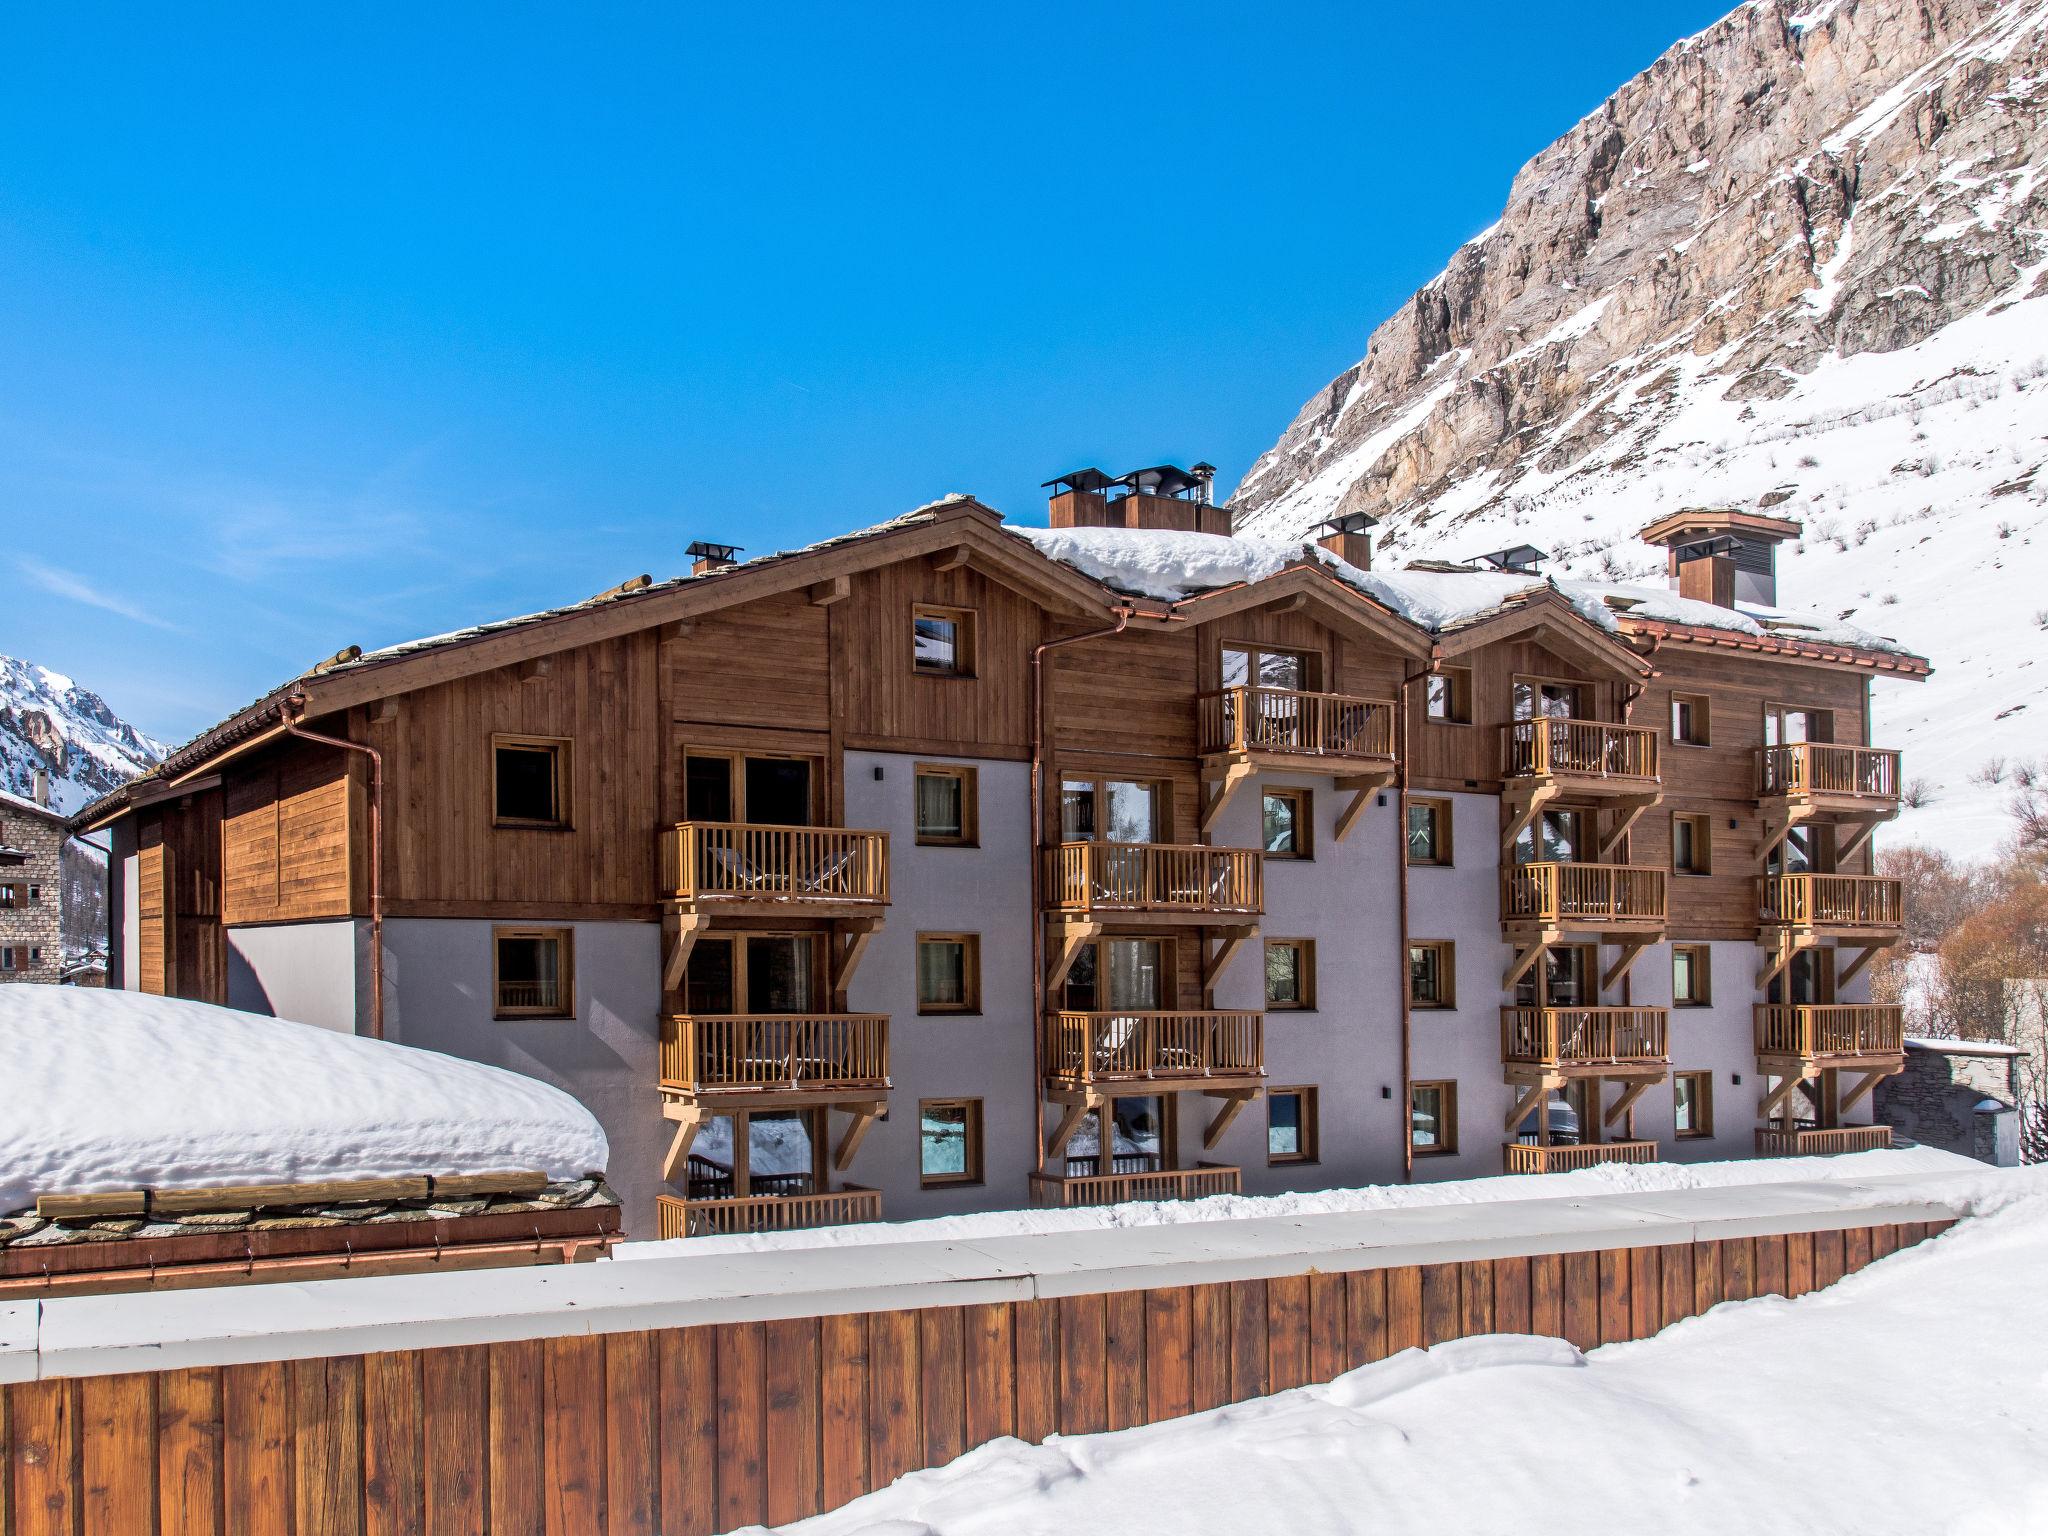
[1123, 617]
[294, 710]
[1406, 1108]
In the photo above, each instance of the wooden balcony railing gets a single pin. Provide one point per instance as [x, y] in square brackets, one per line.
[1833, 901]
[1526, 1157]
[1822, 1143]
[1584, 1037]
[1583, 893]
[748, 861]
[1154, 877]
[678, 1217]
[1813, 1030]
[708, 1052]
[1300, 724]
[1809, 769]
[1580, 749]
[1117, 1188]
[1148, 1044]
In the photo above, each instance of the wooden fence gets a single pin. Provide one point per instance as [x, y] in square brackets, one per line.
[706, 1428]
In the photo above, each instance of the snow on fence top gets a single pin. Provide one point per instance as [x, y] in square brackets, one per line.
[117, 1090]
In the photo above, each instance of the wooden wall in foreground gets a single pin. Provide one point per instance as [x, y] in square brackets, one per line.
[708, 1428]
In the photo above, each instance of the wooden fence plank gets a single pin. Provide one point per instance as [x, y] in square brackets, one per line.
[1248, 1363]
[843, 1427]
[256, 1449]
[1829, 1264]
[942, 1385]
[1169, 1344]
[1645, 1291]
[1287, 1349]
[1738, 1268]
[743, 1426]
[117, 1452]
[327, 1441]
[1476, 1299]
[895, 1405]
[1706, 1277]
[455, 1405]
[1404, 1309]
[1617, 1319]
[1084, 1391]
[1770, 1266]
[689, 1431]
[1884, 1242]
[1209, 1331]
[1365, 1322]
[573, 1434]
[43, 1426]
[1546, 1294]
[1511, 1295]
[1798, 1263]
[394, 1470]
[1124, 1348]
[188, 1453]
[991, 1366]
[1441, 1304]
[794, 1451]
[1855, 1249]
[1675, 1267]
[514, 1430]
[1036, 1325]
[1582, 1299]
[1325, 1327]
[632, 1401]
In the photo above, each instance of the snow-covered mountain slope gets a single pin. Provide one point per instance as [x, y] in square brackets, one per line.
[1799, 264]
[47, 721]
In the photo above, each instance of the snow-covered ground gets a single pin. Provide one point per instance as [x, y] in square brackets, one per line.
[1910, 1397]
[117, 1090]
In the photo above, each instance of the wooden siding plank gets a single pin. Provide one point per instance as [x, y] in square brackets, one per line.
[1037, 1328]
[1798, 1263]
[117, 1452]
[43, 1425]
[1855, 1249]
[1511, 1295]
[1365, 1321]
[1325, 1327]
[991, 1373]
[1582, 1299]
[188, 1453]
[1706, 1277]
[1617, 1321]
[573, 1433]
[1248, 1364]
[394, 1470]
[689, 1431]
[514, 1435]
[1645, 1291]
[256, 1449]
[895, 1411]
[1404, 1309]
[843, 1425]
[1770, 1266]
[1829, 1264]
[1476, 1299]
[742, 1424]
[1287, 1341]
[942, 1384]
[632, 1402]
[1169, 1349]
[1546, 1294]
[1884, 1242]
[455, 1405]
[795, 1478]
[1124, 1350]
[1209, 1363]
[1441, 1303]
[1674, 1263]
[327, 1418]
[1738, 1268]
[1084, 1390]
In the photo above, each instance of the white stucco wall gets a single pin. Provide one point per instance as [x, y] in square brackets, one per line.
[314, 973]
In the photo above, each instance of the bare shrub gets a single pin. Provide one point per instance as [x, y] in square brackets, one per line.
[1917, 793]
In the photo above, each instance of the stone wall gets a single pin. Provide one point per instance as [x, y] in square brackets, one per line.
[31, 930]
[1936, 1100]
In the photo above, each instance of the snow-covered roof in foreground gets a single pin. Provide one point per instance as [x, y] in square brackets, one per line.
[118, 1090]
[1168, 566]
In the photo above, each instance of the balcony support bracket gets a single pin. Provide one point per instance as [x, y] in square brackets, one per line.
[1215, 960]
[1524, 802]
[1864, 1084]
[1630, 948]
[1864, 956]
[865, 1114]
[1627, 813]
[1778, 825]
[1859, 829]
[851, 943]
[1781, 955]
[1077, 1109]
[1787, 1086]
[1362, 787]
[688, 1118]
[1633, 1091]
[681, 930]
[1534, 1092]
[1228, 1108]
[1071, 938]
[1219, 786]
[1525, 961]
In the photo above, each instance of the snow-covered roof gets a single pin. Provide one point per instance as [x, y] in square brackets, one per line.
[14, 803]
[119, 1090]
[1962, 1047]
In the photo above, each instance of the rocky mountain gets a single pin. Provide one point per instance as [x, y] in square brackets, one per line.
[47, 721]
[1800, 262]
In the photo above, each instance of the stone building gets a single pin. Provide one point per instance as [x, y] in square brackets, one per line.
[31, 885]
[1959, 1095]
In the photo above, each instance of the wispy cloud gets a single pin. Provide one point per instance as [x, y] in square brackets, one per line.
[75, 588]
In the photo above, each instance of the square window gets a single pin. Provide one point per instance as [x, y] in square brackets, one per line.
[1291, 1125]
[1689, 716]
[532, 973]
[1691, 976]
[942, 641]
[949, 1141]
[948, 809]
[948, 973]
[1285, 822]
[1433, 1118]
[1432, 973]
[529, 781]
[1290, 973]
[1429, 832]
[1692, 845]
[1693, 1095]
[1448, 696]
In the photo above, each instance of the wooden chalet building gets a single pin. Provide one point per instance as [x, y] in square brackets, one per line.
[949, 866]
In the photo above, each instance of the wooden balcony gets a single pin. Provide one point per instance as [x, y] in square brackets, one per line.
[775, 1058]
[726, 1215]
[1621, 898]
[1526, 1157]
[1180, 882]
[1284, 727]
[1587, 1042]
[1822, 1143]
[1830, 1034]
[1841, 906]
[1199, 1048]
[747, 866]
[1830, 778]
[1589, 757]
[1142, 1184]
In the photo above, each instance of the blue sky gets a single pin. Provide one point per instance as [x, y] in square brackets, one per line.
[347, 325]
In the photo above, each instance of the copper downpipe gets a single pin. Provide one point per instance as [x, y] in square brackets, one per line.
[294, 710]
[1407, 1105]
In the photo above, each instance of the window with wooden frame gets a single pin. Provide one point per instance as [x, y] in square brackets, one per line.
[1566, 977]
[1290, 974]
[1246, 664]
[755, 974]
[1429, 832]
[1286, 819]
[1447, 696]
[1114, 975]
[1692, 844]
[1291, 1129]
[763, 788]
[942, 641]
[13, 896]
[1433, 1117]
[948, 805]
[1432, 973]
[948, 1141]
[533, 973]
[1787, 725]
[1691, 719]
[949, 973]
[1112, 810]
[1692, 976]
[1550, 698]
[1692, 1096]
[529, 781]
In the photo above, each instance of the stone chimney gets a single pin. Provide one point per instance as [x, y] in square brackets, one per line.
[41, 793]
[1349, 538]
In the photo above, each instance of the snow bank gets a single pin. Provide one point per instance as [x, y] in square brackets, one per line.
[1607, 1179]
[1914, 1393]
[117, 1090]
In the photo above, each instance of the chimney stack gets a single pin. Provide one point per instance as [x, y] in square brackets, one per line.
[706, 557]
[1736, 553]
[1349, 538]
[1706, 572]
[42, 788]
